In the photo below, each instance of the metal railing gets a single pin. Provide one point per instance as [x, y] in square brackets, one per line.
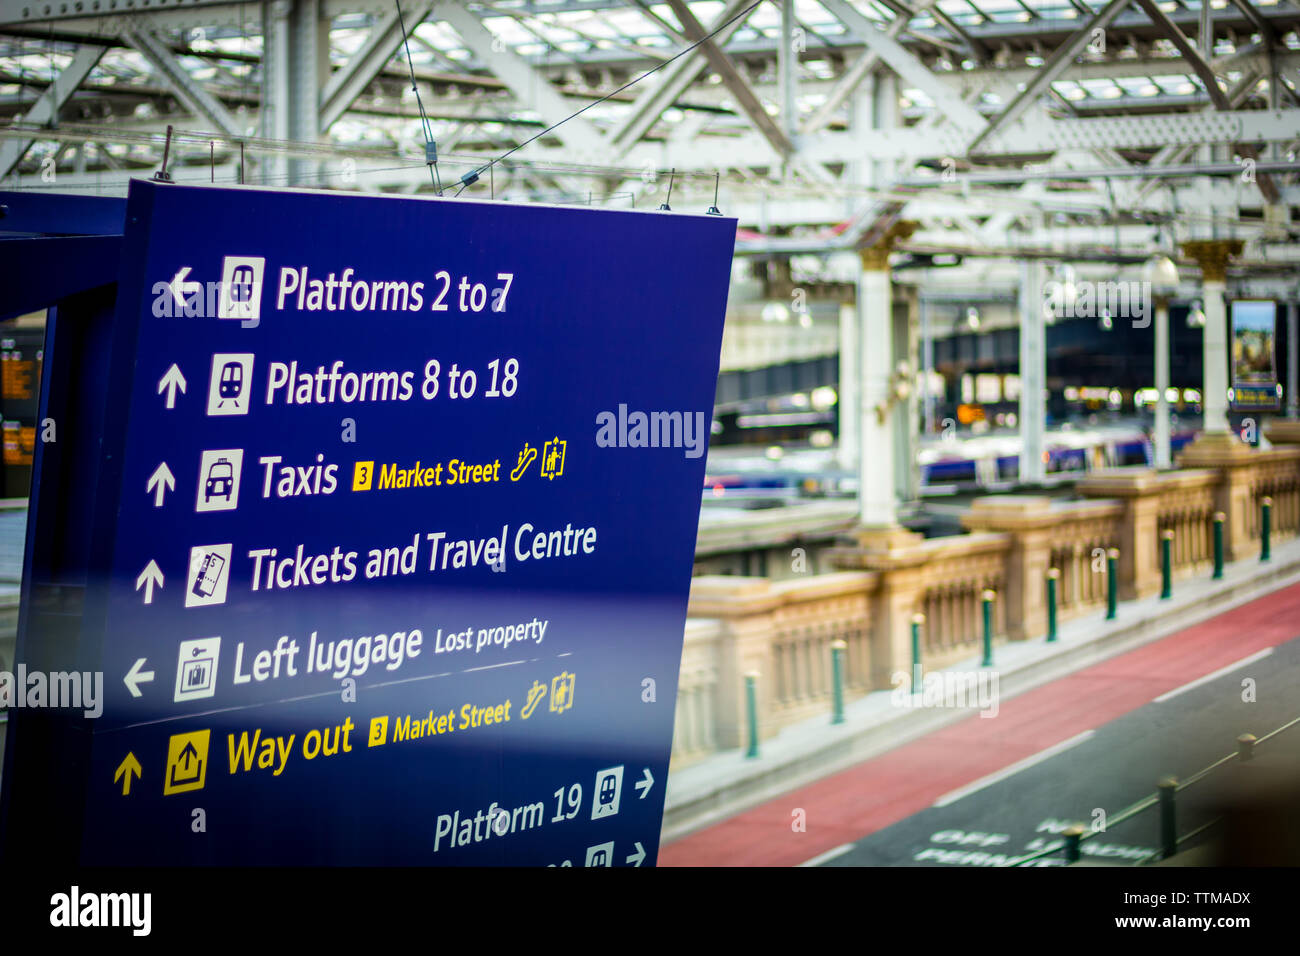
[1165, 798]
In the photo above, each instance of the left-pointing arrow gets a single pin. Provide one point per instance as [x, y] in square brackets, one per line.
[124, 770]
[150, 576]
[135, 677]
[181, 289]
[160, 482]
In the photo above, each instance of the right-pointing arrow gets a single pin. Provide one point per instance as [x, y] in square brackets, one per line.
[636, 858]
[150, 576]
[645, 783]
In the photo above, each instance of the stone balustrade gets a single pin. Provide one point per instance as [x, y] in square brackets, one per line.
[696, 728]
[1071, 536]
[781, 631]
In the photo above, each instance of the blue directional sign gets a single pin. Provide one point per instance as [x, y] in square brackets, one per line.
[388, 512]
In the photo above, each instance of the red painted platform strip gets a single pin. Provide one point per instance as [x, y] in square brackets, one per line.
[881, 791]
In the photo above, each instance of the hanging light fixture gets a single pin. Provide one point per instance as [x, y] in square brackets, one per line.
[1161, 272]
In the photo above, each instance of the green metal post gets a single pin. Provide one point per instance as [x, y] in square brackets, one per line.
[1246, 747]
[1053, 576]
[751, 708]
[1166, 565]
[1168, 821]
[1112, 583]
[988, 630]
[1266, 529]
[917, 621]
[1073, 834]
[1219, 518]
[837, 679]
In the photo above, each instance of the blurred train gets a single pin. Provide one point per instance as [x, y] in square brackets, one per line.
[947, 466]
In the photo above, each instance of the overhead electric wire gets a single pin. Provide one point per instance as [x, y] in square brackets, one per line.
[736, 183]
[430, 147]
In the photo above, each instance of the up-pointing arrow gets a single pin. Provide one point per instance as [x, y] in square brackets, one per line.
[150, 576]
[160, 482]
[135, 677]
[645, 783]
[636, 858]
[171, 381]
[125, 769]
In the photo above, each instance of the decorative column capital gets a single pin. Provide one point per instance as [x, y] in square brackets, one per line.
[1212, 256]
[875, 257]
